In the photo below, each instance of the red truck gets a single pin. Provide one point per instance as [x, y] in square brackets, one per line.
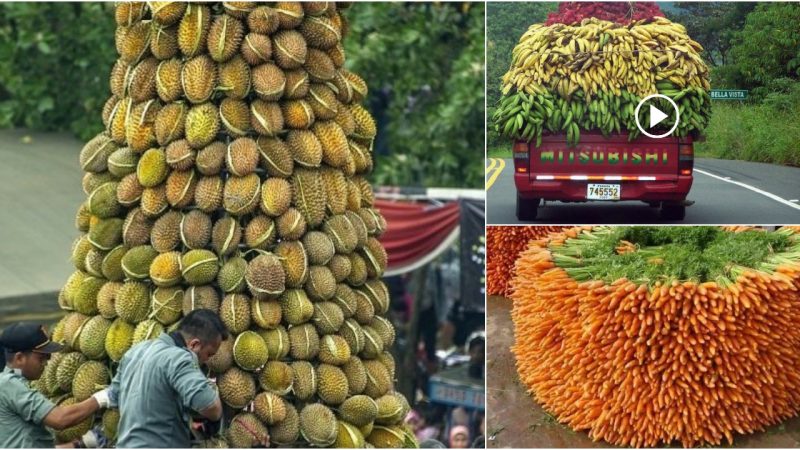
[655, 171]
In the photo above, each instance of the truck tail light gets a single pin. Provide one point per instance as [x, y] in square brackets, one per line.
[685, 159]
[521, 156]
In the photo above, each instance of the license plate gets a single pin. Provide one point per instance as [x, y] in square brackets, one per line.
[603, 192]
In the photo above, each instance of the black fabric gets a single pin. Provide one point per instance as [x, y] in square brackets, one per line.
[178, 338]
[2, 357]
[473, 255]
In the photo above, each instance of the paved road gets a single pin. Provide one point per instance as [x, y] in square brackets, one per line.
[724, 192]
[39, 194]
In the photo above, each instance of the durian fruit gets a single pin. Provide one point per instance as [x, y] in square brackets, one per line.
[147, 330]
[276, 196]
[119, 339]
[235, 312]
[278, 344]
[291, 225]
[269, 82]
[237, 388]
[95, 154]
[193, 29]
[260, 233]
[305, 148]
[208, 193]
[235, 78]
[265, 276]
[167, 305]
[241, 194]
[110, 423]
[275, 157]
[67, 367]
[93, 337]
[304, 342]
[225, 236]
[199, 267]
[211, 158]
[202, 124]
[332, 387]
[223, 359]
[287, 431]
[230, 277]
[269, 407]
[200, 297]
[167, 13]
[318, 425]
[91, 376]
[349, 437]
[224, 37]
[246, 431]
[295, 262]
[295, 307]
[379, 380]
[250, 351]
[195, 230]
[256, 48]
[231, 176]
[386, 437]
[276, 377]
[170, 125]
[358, 410]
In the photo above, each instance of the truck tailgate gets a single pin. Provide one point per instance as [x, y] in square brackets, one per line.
[597, 158]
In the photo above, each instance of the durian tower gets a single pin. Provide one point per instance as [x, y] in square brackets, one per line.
[231, 177]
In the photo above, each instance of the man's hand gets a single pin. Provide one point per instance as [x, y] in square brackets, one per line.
[102, 398]
[93, 438]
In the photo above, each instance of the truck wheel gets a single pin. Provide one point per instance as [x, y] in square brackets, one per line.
[671, 211]
[527, 208]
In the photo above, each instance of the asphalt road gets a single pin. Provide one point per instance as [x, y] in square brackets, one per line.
[40, 194]
[724, 192]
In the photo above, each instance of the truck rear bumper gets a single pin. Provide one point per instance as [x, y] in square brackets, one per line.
[575, 191]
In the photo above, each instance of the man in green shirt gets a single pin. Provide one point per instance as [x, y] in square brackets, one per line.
[24, 412]
[159, 383]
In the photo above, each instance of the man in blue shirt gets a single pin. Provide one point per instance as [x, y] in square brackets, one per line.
[159, 383]
[25, 349]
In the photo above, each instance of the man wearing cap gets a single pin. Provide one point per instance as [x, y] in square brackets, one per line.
[159, 383]
[24, 412]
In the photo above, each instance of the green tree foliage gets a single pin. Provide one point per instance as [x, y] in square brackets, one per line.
[712, 24]
[425, 68]
[505, 24]
[768, 47]
[54, 64]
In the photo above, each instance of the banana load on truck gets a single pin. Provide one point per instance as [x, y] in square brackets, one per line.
[578, 72]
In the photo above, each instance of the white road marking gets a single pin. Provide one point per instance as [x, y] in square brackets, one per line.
[752, 188]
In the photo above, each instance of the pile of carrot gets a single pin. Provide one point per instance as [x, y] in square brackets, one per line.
[503, 246]
[648, 363]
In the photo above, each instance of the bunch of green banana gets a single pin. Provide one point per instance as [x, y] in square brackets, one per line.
[527, 117]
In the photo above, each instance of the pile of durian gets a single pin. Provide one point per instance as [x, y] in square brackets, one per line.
[230, 177]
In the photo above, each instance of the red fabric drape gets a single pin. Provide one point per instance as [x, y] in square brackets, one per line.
[415, 229]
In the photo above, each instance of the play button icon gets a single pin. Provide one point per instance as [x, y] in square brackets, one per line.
[656, 116]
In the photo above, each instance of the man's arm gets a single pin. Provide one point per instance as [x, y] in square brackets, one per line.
[195, 390]
[62, 417]
[213, 412]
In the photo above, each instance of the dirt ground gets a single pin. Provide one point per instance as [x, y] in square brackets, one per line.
[515, 420]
